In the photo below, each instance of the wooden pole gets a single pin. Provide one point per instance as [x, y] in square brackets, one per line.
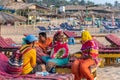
[0, 30]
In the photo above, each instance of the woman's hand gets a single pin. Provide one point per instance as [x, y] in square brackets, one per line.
[85, 57]
[49, 49]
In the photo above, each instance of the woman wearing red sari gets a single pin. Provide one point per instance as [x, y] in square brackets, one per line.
[80, 67]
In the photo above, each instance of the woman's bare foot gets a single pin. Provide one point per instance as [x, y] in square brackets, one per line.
[43, 67]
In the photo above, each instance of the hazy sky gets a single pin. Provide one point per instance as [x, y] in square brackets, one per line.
[103, 1]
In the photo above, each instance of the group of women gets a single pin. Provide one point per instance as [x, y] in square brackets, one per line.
[56, 52]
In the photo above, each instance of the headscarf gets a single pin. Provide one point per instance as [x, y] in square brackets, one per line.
[56, 35]
[86, 36]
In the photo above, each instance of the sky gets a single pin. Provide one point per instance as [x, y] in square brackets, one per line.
[104, 1]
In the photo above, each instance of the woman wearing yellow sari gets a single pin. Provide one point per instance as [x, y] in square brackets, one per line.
[80, 67]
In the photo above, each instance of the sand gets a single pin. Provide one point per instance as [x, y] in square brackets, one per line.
[16, 33]
[108, 73]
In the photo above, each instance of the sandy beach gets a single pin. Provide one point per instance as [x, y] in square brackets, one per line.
[106, 73]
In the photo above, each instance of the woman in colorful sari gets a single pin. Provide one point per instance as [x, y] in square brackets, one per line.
[80, 67]
[59, 52]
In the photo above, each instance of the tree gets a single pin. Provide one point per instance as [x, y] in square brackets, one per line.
[48, 3]
[74, 2]
[90, 3]
[116, 3]
[108, 4]
[82, 2]
[55, 2]
[29, 1]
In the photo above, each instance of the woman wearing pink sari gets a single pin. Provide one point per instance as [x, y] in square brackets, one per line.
[59, 52]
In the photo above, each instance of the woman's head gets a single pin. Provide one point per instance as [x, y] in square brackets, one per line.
[42, 36]
[58, 36]
[85, 36]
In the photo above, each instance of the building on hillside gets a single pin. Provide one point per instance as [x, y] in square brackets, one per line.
[74, 8]
[22, 5]
[90, 10]
[27, 6]
[23, 9]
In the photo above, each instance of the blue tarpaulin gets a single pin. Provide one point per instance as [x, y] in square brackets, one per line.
[4, 9]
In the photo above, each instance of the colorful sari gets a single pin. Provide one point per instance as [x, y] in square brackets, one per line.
[59, 54]
[60, 50]
[89, 48]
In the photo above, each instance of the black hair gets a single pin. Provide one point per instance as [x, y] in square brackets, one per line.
[27, 42]
[55, 36]
[43, 34]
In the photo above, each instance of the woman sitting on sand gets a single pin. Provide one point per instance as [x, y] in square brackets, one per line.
[80, 67]
[29, 54]
[59, 53]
